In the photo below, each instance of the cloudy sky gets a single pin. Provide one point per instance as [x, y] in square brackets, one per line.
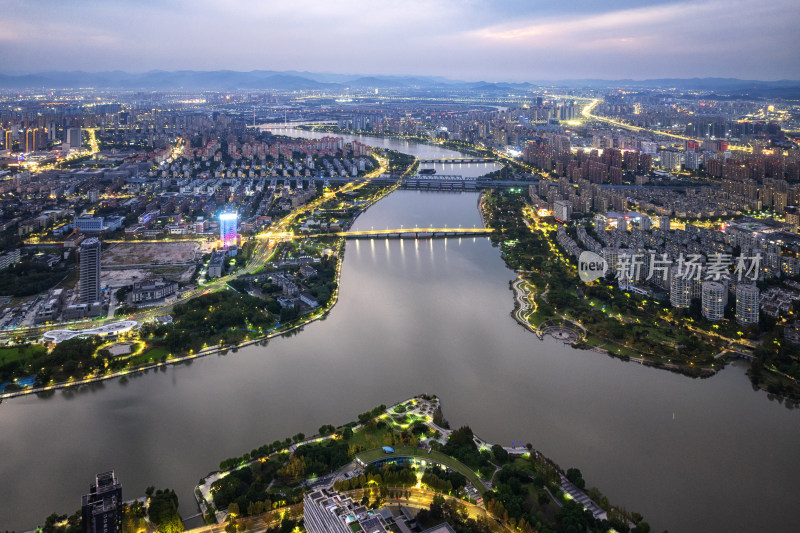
[463, 39]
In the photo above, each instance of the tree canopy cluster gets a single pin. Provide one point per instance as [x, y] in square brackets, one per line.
[223, 316]
[27, 278]
[247, 487]
[162, 510]
[71, 358]
[461, 446]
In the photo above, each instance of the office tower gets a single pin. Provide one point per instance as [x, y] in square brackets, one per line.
[227, 228]
[680, 290]
[663, 223]
[89, 263]
[747, 296]
[9, 139]
[713, 300]
[644, 222]
[101, 509]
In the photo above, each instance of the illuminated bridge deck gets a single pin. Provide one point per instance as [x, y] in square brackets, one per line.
[459, 160]
[410, 233]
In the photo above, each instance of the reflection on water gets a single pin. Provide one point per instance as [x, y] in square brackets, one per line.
[422, 316]
[422, 151]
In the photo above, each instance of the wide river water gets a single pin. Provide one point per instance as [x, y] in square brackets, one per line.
[413, 317]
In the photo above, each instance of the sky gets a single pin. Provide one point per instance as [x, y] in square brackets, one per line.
[469, 40]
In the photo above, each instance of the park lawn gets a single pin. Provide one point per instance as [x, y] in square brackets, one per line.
[150, 356]
[594, 340]
[537, 318]
[618, 349]
[612, 346]
[369, 437]
[523, 464]
[658, 334]
[370, 456]
[20, 353]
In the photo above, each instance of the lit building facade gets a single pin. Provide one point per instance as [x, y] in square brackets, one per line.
[680, 290]
[101, 509]
[713, 300]
[747, 301]
[89, 267]
[227, 228]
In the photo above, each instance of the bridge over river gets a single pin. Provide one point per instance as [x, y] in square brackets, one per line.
[410, 233]
[459, 160]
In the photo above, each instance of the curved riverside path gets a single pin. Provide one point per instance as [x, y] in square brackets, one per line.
[318, 315]
[415, 317]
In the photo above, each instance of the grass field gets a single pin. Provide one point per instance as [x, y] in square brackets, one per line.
[376, 454]
[369, 437]
[20, 353]
[149, 356]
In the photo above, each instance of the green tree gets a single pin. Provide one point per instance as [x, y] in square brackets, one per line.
[163, 511]
[500, 454]
[575, 476]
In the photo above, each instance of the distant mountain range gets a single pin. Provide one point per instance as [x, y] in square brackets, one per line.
[301, 80]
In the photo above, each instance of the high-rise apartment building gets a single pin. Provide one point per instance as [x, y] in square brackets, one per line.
[74, 137]
[671, 159]
[101, 509]
[680, 290]
[692, 160]
[747, 301]
[89, 268]
[30, 141]
[713, 300]
[562, 210]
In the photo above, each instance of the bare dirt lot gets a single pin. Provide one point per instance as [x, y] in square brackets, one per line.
[126, 263]
[150, 253]
[125, 277]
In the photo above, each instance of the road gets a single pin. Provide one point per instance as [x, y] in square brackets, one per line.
[587, 112]
[265, 243]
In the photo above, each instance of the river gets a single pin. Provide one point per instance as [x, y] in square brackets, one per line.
[413, 317]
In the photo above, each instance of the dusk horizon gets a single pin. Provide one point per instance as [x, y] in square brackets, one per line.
[431, 266]
[510, 40]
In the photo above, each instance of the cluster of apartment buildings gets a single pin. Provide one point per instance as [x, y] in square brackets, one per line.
[326, 511]
[662, 262]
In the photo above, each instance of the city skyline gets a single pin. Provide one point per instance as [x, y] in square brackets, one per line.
[308, 229]
[511, 41]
